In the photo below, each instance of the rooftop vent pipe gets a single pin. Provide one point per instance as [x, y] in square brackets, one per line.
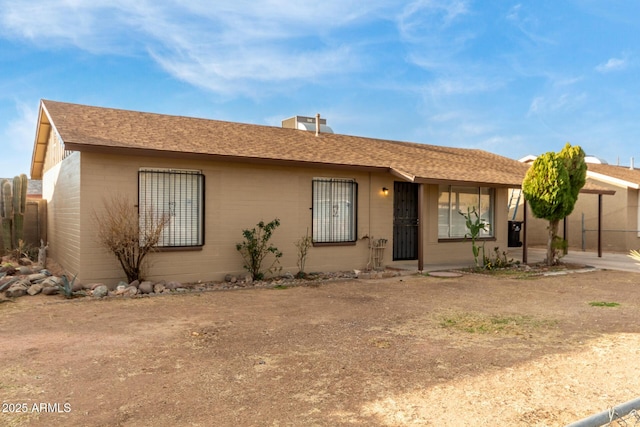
[631, 167]
[317, 124]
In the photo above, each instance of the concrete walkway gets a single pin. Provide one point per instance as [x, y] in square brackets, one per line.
[609, 261]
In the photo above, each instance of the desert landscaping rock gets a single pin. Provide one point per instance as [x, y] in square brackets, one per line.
[100, 291]
[34, 289]
[158, 288]
[17, 289]
[8, 270]
[24, 270]
[146, 287]
[173, 285]
[51, 281]
[127, 291]
[50, 290]
[35, 277]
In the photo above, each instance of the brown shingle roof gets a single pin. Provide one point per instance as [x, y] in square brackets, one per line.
[619, 172]
[95, 128]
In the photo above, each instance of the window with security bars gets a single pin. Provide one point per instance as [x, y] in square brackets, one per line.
[178, 195]
[334, 210]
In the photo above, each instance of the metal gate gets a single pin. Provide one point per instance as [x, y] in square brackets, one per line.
[405, 221]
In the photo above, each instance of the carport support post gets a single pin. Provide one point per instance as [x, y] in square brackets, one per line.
[524, 233]
[600, 225]
[565, 234]
[420, 227]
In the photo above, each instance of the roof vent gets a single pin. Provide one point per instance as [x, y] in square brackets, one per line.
[307, 123]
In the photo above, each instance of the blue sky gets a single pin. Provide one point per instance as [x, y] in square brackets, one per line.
[513, 78]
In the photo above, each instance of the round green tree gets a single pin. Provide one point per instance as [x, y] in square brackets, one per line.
[551, 186]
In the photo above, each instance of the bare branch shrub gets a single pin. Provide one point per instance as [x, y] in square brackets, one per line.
[120, 232]
[303, 246]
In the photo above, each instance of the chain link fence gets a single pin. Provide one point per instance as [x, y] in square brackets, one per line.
[626, 414]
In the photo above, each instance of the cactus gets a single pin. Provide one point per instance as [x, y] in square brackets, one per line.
[17, 191]
[24, 186]
[5, 218]
[18, 229]
[6, 234]
[13, 203]
[2, 197]
[7, 199]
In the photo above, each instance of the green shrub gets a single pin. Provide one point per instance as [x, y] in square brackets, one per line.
[498, 260]
[256, 247]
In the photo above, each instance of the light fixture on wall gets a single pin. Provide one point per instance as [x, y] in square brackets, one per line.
[385, 191]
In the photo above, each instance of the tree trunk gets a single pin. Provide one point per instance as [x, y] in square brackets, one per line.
[551, 249]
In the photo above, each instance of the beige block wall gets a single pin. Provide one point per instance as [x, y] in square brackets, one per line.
[456, 251]
[237, 196]
[61, 190]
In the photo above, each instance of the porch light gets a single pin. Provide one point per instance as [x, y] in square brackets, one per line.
[385, 191]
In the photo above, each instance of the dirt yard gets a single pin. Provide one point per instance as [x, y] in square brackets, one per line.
[412, 350]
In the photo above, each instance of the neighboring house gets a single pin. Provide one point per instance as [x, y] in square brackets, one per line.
[619, 213]
[215, 178]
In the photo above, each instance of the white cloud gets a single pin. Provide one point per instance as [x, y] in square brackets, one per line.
[422, 17]
[514, 13]
[226, 47]
[613, 64]
[555, 103]
[528, 24]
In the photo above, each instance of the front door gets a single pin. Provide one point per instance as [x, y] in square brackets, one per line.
[405, 221]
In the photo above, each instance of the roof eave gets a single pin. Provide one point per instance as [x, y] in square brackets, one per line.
[493, 184]
[40, 143]
[104, 149]
[612, 180]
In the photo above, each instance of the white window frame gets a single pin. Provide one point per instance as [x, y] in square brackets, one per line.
[451, 225]
[179, 194]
